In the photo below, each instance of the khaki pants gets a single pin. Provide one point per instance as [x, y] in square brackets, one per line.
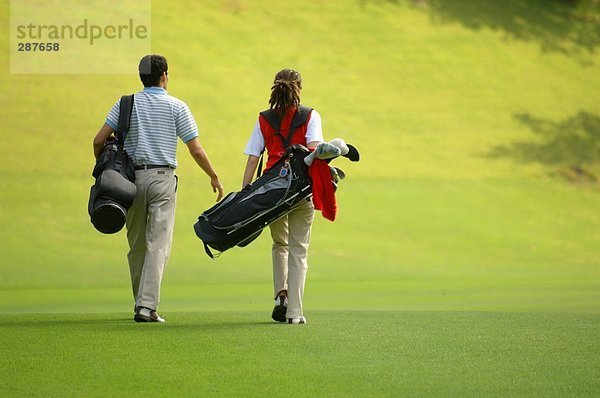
[291, 237]
[150, 222]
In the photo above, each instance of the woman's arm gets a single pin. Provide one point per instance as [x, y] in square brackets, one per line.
[251, 165]
[313, 144]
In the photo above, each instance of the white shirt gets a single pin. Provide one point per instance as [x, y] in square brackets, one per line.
[256, 143]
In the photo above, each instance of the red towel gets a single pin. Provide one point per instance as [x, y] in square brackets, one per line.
[322, 187]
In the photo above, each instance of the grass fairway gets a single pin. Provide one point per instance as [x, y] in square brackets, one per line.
[338, 353]
[465, 260]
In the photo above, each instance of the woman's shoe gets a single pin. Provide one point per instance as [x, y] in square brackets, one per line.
[297, 321]
[280, 309]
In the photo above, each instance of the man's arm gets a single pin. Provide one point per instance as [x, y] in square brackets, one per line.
[105, 132]
[200, 156]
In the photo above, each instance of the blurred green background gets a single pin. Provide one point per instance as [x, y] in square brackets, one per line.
[478, 124]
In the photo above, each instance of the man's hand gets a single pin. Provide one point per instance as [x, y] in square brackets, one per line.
[202, 160]
[216, 186]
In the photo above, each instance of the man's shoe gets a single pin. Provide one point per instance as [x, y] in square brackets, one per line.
[297, 321]
[144, 314]
[280, 309]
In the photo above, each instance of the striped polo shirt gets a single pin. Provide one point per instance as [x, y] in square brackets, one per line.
[157, 120]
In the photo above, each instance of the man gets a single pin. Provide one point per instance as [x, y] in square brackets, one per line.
[157, 121]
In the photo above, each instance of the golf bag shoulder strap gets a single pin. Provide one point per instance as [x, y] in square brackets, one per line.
[271, 116]
[125, 109]
[300, 117]
[260, 164]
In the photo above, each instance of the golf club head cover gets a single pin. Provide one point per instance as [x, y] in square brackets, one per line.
[340, 143]
[352, 154]
[324, 150]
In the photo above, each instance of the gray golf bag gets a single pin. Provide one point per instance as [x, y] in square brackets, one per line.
[114, 190]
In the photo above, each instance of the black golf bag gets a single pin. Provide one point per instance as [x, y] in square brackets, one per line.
[114, 190]
[240, 217]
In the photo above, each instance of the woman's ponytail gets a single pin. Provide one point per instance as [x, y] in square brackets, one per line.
[285, 92]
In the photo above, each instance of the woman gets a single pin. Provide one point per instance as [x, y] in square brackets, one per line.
[291, 233]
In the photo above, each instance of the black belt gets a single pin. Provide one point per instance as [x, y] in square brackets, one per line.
[152, 166]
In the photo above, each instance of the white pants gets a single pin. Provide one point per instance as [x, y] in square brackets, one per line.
[291, 237]
[150, 222]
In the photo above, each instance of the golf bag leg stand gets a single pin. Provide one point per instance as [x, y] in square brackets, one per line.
[209, 253]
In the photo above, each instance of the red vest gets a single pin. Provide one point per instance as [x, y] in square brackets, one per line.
[273, 141]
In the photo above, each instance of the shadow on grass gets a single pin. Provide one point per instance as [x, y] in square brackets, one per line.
[570, 27]
[62, 320]
[120, 322]
[571, 147]
[565, 26]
